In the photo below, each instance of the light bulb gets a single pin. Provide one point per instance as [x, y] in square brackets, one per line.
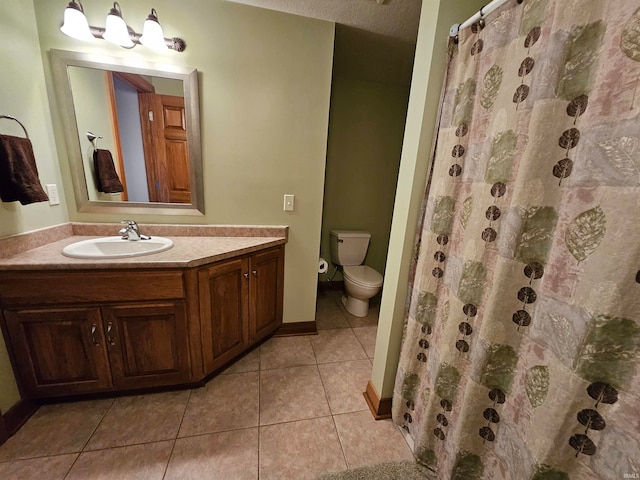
[75, 24]
[116, 30]
[152, 34]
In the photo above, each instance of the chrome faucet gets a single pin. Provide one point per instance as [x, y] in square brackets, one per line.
[132, 231]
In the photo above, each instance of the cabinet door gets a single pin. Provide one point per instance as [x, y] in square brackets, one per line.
[59, 351]
[147, 344]
[223, 310]
[266, 290]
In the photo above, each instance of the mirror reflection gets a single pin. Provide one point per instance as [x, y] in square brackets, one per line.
[138, 121]
[133, 133]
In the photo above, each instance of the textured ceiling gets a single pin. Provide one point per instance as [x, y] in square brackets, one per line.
[375, 41]
[397, 19]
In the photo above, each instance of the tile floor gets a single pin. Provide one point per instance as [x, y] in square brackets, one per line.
[290, 409]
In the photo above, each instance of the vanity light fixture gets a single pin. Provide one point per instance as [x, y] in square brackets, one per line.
[75, 25]
[116, 30]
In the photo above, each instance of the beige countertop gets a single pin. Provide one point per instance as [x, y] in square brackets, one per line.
[187, 251]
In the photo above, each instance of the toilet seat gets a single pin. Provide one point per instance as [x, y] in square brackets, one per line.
[362, 275]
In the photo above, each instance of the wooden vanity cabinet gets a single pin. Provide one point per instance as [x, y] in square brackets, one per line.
[240, 304]
[59, 351]
[65, 351]
[89, 331]
[266, 286]
[224, 310]
[147, 344]
[78, 332]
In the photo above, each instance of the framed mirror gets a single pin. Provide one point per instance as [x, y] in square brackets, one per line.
[132, 131]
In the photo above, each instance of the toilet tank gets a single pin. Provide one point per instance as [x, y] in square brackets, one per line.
[349, 247]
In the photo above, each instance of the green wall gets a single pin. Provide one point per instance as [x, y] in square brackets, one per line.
[366, 124]
[265, 81]
[436, 19]
[23, 95]
[167, 86]
[89, 87]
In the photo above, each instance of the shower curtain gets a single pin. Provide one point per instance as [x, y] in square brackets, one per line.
[522, 338]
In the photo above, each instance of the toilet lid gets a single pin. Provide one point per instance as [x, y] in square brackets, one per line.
[363, 275]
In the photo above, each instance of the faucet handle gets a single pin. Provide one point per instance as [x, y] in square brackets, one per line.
[130, 223]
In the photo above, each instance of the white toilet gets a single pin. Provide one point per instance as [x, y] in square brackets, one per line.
[348, 248]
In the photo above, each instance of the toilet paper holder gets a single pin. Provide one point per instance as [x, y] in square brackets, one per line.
[323, 265]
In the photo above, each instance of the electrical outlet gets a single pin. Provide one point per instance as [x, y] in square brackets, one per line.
[52, 192]
[289, 202]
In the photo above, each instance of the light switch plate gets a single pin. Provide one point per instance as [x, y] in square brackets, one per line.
[52, 192]
[289, 201]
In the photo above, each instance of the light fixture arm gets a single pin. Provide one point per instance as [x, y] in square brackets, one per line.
[175, 43]
[116, 10]
[76, 4]
[153, 15]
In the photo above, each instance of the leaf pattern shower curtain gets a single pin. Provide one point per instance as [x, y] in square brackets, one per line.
[521, 344]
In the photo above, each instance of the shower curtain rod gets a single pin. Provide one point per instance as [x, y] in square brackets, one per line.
[483, 11]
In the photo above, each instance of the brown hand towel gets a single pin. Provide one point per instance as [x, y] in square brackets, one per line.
[18, 172]
[107, 180]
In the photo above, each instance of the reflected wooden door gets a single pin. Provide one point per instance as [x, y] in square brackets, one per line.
[164, 133]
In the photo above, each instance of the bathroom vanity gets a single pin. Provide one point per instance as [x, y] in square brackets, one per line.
[76, 326]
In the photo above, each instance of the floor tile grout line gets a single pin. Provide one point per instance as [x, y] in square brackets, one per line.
[71, 466]
[333, 419]
[298, 420]
[344, 455]
[324, 389]
[291, 421]
[259, 406]
[175, 440]
[116, 447]
[345, 361]
[37, 457]
[106, 412]
[360, 342]
[204, 434]
[313, 350]
[306, 418]
[104, 415]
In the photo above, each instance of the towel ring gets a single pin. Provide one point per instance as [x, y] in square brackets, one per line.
[11, 117]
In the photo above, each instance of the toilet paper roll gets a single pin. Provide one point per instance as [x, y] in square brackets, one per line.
[323, 266]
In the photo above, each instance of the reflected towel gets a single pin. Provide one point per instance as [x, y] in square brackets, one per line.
[107, 180]
[18, 172]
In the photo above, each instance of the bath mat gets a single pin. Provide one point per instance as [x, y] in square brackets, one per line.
[406, 470]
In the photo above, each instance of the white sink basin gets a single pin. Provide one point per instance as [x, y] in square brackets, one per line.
[116, 247]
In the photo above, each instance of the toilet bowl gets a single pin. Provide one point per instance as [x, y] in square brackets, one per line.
[361, 283]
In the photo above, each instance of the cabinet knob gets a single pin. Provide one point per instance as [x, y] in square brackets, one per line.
[109, 329]
[94, 339]
[255, 273]
[246, 275]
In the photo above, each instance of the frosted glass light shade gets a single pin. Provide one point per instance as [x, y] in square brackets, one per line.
[116, 31]
[152, 35]
[75, 24]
